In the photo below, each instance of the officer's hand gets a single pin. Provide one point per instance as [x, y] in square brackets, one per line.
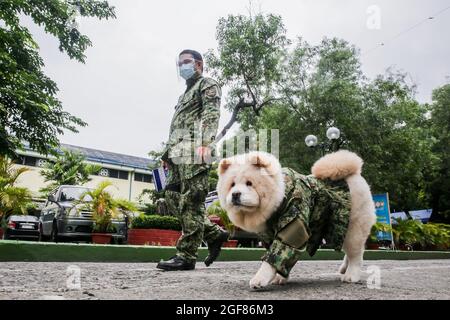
[204, 153]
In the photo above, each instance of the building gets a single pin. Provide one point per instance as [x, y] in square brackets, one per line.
[130, 175]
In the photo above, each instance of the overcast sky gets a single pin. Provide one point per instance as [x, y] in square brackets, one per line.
[128, 88]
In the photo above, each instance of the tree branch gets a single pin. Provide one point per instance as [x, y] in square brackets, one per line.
[241, 105]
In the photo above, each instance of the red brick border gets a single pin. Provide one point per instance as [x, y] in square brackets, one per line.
[153, 237]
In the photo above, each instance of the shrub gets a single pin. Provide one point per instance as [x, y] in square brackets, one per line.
[416, 233]
[156, 222]
[150, 208]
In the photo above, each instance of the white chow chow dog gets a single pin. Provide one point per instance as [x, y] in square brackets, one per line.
[252, 188]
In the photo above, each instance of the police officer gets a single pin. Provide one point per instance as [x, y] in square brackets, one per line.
[187, 156]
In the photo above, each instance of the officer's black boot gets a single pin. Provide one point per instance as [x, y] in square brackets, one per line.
[215, 246]
[176, 263]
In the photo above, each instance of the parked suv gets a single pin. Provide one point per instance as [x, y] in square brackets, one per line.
[61, 218]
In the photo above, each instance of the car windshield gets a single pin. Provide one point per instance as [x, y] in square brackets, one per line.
[72, 194]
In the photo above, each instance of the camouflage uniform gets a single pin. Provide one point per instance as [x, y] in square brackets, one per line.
[311, 210]
[194, 124]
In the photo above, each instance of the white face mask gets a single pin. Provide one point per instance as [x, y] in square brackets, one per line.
[187, 70]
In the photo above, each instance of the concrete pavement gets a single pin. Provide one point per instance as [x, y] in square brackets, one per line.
[415, 279]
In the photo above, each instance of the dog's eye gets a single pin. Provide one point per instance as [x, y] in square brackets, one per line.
[249, 183]
[233, 184]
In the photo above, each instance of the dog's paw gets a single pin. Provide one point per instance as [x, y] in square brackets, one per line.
[263, 277]
[279, 280]
[351, 275]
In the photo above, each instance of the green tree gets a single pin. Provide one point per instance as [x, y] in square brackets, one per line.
[380, 119]
[250, 54]
[29, 107]
[439, 182]
[305, 89]
[13, 199]
[68, 169]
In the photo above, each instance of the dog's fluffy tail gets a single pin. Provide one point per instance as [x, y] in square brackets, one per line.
[346, 165]
[337, 166]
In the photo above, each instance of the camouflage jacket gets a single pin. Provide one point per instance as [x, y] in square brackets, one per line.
[312, 210]
[194, 124]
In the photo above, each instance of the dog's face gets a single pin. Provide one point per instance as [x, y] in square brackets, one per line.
[250, 189]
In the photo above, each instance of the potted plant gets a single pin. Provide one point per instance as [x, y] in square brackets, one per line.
[154, 230]
[104, 209]
[218, 215]
[14, 200]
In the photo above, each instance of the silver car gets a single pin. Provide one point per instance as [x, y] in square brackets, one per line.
[62, 219]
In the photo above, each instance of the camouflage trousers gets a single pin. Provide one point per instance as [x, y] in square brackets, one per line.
[188, 206]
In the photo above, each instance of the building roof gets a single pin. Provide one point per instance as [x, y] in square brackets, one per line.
[111, 157]
[107, 157]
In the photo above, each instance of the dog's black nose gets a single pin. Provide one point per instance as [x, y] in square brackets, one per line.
[236, 197]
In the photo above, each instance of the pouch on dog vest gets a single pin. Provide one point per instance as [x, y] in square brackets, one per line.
[295, 234]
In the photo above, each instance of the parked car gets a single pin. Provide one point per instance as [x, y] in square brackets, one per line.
[22, 227]
[63, 218]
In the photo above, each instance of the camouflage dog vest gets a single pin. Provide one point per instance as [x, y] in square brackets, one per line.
[313, 213]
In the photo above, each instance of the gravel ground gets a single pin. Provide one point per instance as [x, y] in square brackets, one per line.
[416, 279]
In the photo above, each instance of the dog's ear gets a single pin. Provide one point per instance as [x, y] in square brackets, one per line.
[265, 161]
[260, 161]
[224, 165]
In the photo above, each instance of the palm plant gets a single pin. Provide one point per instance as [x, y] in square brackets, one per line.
[216, 210]
[68, 169]
[13, 199]
[104, 207]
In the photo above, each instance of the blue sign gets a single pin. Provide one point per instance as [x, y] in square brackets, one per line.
[383, 216]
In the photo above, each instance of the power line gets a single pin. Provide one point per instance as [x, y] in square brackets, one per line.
[433, 16]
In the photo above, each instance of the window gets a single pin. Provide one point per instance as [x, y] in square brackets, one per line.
[113, 173]
[104, 172]
[72, 194]
[18, 160]
[142, 177]
[123, 175]
[30, 161]
[41, 163]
